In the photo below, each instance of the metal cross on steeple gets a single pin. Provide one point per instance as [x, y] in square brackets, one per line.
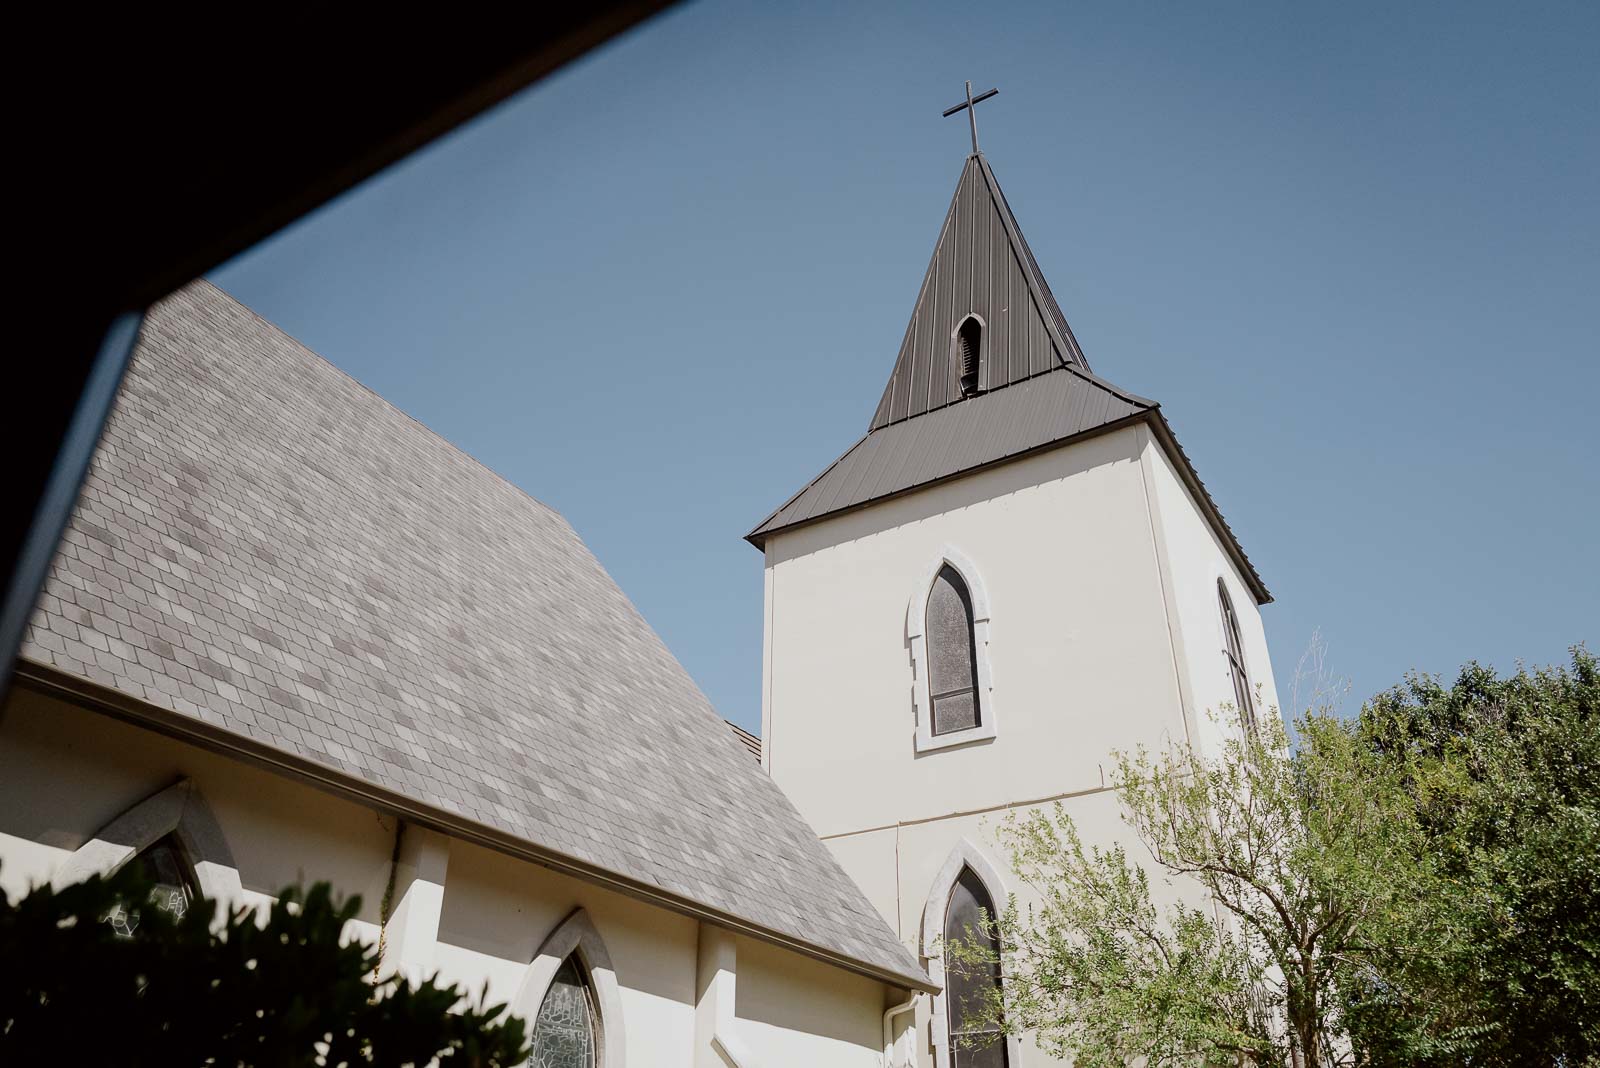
[971, 107]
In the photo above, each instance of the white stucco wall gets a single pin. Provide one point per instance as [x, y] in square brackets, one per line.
[1079, 644]
[66, 772]
[792, 1012]
[1196, 560]
[1104, 634]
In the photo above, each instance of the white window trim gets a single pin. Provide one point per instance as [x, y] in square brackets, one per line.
[964, 855]
[577, 935]
[916, 632]
[178, 810]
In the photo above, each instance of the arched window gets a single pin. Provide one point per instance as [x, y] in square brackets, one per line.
[970, 989]
[570, 993]
[564, 1030]
[174, 889]
[173, 834]
[966, 886]
[948, 630]
[969, 353]
[1235, 651]
[952, 657]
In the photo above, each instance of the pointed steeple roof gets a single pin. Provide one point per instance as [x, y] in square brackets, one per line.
[982, 266]
[1034, 388]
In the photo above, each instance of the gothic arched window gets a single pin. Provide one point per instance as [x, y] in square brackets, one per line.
[952, 657]
[970, 989]
[948, 630]
[174, 888]
[570, 993]
[969, 354]
[1235, 651]
[564, 1029]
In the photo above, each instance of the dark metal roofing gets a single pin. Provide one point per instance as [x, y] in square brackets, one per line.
[267, 548]
[981, 266]
[955, 439]
[1038, 391]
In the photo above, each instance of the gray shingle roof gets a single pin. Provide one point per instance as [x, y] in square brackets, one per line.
[266, 546]
[1037, 389]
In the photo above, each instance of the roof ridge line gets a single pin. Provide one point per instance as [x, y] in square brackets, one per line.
[379, 397]
[1111, 387]
[818, 477]
[887, 399]
[1088, 376]
[1055, 319]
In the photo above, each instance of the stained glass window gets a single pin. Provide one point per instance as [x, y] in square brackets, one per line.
[968, 988]
[174, 890]
[563, 1032]
[1235, 651]
[952, 660]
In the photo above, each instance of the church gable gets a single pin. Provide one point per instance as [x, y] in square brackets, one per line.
[982, 271]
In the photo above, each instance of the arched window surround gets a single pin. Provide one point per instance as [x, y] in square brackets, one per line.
[982, 355]
[916, 633]
[576, 936]
[178, 810]
[965, 855]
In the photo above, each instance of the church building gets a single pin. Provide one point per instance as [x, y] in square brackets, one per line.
[293, 636]
[1015, 571]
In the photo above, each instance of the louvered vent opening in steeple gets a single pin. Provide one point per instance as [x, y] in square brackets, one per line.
[969, 348]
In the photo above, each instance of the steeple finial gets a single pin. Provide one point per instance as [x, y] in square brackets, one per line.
[970, 105]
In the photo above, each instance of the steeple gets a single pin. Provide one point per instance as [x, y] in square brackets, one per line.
[983, 269]
[988, 372]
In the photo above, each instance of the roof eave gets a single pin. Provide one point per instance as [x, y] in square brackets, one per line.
[1163, 434]
[758, 537]
[1208, 507]
[52, 682]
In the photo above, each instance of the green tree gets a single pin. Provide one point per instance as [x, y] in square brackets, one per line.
[286, 990]
[1414, 887]
[1295, 852]
[1503, 780]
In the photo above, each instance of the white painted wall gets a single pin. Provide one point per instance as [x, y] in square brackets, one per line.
[1195, 560]
[471, 915]
[794, 1012]
[1079, 645]
[1104, 634]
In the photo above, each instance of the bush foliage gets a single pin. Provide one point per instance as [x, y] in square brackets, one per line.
[283, 989]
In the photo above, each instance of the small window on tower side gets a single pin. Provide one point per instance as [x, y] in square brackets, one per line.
[969, 353]
[1234, 647]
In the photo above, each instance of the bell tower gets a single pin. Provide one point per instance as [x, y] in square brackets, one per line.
[1014, 571]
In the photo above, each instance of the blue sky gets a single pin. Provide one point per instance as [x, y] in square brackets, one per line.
[1353, 249]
